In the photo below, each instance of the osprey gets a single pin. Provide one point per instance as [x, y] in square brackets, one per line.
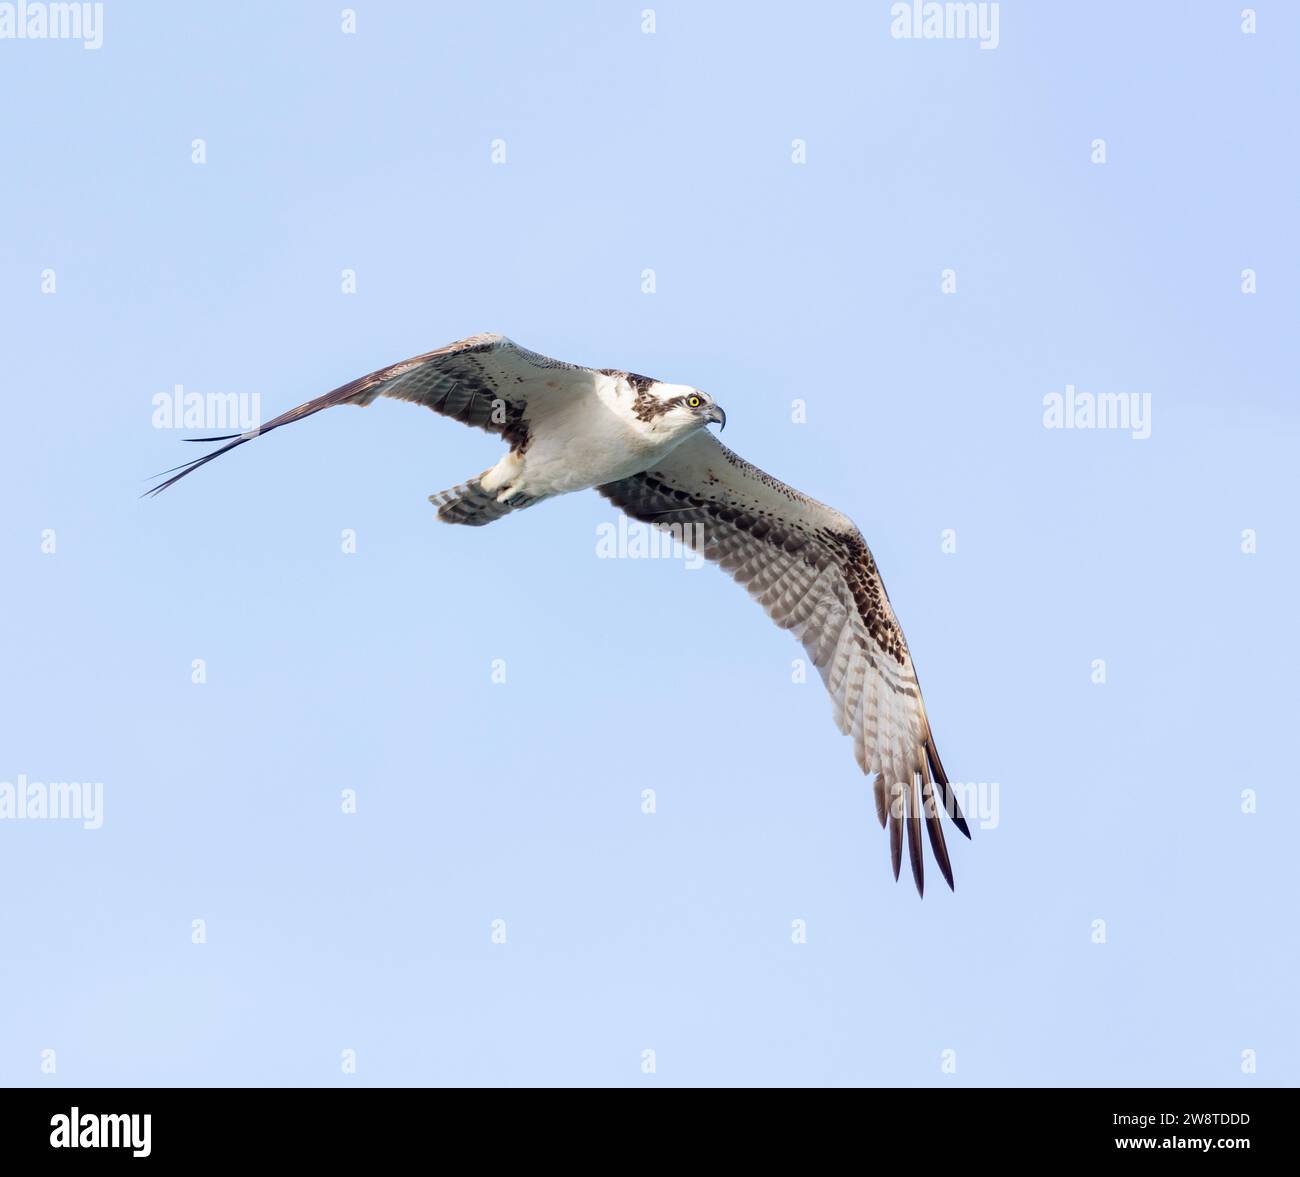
[645, 446]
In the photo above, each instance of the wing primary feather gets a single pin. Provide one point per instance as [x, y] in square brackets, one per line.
[934, 827]
[189, 468]
[914, 835]
[339, 396]
[941, 777]
[895, 829]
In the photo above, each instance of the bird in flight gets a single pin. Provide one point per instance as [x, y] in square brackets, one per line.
[645, 446]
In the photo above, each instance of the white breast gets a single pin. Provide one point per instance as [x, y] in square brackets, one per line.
[586, 441]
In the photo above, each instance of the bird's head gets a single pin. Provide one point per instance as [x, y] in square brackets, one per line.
[677, 409]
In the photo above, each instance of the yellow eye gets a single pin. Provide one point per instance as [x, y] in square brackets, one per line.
[693, 401]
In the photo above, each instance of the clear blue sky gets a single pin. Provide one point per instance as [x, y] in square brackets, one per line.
[521, 801]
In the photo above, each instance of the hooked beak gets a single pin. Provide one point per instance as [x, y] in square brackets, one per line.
[717, 416]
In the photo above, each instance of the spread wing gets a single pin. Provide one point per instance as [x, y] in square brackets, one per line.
[487, 381]
[810, 568]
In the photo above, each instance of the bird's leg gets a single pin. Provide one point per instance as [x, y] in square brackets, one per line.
[503, 479]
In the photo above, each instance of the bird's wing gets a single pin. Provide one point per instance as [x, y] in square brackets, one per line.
[810, 568]
[486, 380]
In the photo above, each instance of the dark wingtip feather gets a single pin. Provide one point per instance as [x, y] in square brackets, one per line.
[941, 778]
[914, 837]
[934, 827]
[895, 836]
[347, 393]
[882, 801]
[189, 467]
